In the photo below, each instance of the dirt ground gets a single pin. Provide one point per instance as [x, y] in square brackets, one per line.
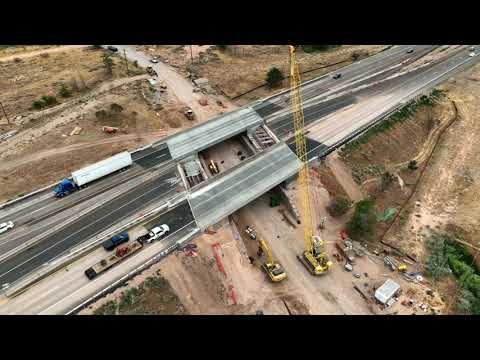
[391, 151]
[7, 51]
[448, 193]
[23, 82]
[243, 67]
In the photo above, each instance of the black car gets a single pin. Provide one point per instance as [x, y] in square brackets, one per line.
[337, 76]
[409, 51]
[112, 48]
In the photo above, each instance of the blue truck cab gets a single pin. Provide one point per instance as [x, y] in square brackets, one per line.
[65, 187]
[116, 240]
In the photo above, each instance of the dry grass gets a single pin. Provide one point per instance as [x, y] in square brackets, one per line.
[24, 82]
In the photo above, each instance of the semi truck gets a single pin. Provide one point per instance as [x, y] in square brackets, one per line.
[120, 254]
[82, 177]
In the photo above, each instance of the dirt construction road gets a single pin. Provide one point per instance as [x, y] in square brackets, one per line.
[181, 87]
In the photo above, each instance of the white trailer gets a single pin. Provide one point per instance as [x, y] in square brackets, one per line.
[102, 168]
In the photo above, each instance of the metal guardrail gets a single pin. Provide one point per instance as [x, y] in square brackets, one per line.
[156, 258]
[407, 99]
[73, 254]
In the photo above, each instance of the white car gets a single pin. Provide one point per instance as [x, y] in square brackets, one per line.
[155, 61]
[472, 54]
[6, 226]
[158, 232]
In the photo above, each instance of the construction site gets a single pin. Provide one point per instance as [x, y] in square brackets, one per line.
[324, 194]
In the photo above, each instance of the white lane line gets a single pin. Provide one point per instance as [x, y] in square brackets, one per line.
[130, 260]
[33, 257]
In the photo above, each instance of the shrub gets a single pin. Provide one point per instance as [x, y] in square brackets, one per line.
[38, 104]
[362, 224]
[65, 91]
[338, 206]
[274, 77]
[49, 100]
[412, 165]
[387, 180]
[101, 114]
[116, 108]
[108, 62]
[318, 48]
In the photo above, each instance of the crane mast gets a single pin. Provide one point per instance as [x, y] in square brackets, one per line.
[313, 257]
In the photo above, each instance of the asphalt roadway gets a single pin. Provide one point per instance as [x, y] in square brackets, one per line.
[85, 227]
[34, 210]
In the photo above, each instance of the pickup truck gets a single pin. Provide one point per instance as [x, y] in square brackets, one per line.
[157, 232]
[116, 240]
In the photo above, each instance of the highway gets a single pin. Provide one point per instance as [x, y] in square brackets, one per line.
[85, 227]
[329, 118]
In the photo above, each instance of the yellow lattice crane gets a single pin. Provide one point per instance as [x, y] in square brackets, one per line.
[314, 258]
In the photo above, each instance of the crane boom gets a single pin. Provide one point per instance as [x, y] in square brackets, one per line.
[313, 257]
[301, 149]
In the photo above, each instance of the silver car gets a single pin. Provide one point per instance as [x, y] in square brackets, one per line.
[6, 226]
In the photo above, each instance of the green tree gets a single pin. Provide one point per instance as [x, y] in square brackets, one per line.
[338, 206]
[362, 224]
[108, 62]
[274, 77]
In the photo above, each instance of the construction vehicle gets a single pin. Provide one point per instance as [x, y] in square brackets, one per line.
[251, 233]
[213, 167]
[108, 262]
[314, 258]
[394, 264]
[274, 270]
[189, 114]
[150, 71]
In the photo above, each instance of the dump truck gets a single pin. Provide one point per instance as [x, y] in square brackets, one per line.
[82, 177]
[107, 263]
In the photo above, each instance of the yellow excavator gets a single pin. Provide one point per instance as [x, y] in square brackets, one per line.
[314, 258]
[274, 270]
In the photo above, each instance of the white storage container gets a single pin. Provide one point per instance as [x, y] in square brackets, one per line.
[102, 168]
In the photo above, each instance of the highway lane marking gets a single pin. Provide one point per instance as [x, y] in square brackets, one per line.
[59, 242]
[159, 156]
[123, 263]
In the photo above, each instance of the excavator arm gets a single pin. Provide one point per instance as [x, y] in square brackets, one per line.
[274, 270]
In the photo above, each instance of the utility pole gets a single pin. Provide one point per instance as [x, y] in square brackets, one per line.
[126, 63]
[5, 113]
